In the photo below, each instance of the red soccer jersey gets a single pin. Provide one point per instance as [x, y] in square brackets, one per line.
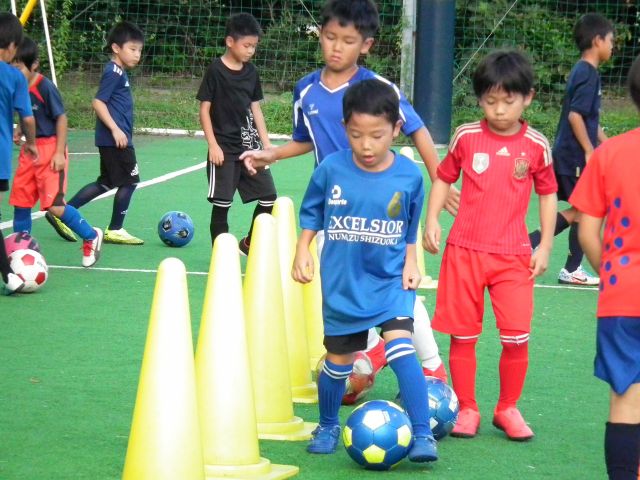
[610, 187]
[498, 173]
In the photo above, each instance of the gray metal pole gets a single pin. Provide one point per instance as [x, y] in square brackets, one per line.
[433, 87]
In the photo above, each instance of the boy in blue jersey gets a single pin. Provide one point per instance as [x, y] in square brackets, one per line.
[113, 105]
[46, 180]
[14, 97]
[579, 133]
[368, 264]
[347, 31]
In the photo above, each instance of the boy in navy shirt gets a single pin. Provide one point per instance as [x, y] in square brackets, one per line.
[113, 105]
[369, 265]
[578, 133]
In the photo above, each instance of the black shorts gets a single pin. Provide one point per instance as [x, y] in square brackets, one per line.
[4, 185]
[354, 342]
[232, 175]
[566, 184]
[118, 167]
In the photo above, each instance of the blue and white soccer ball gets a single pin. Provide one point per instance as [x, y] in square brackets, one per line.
[378, 435]
[175, 229]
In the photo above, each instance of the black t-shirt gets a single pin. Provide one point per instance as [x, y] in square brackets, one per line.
[231, 93]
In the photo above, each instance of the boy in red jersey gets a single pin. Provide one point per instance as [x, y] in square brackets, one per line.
[609, 192]
[501, 158]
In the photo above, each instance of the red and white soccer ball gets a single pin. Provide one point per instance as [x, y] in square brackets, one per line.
[360, 382]
[31, 267]
[20, 241]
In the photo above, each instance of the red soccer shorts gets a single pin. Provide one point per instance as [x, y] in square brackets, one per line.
[37, 181]
[464, 275]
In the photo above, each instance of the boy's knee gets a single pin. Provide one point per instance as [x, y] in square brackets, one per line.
[514, 338]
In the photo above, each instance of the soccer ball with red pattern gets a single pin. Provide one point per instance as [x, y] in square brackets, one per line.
[31, 267]
[20, 241]
[359, 382]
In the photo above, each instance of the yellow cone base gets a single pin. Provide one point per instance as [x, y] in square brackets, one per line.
[313, 362]
[263, 470]
[428, 283]
[305, 393]
[295, 430]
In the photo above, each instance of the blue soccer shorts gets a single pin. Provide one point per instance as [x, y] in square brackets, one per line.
[617, 359]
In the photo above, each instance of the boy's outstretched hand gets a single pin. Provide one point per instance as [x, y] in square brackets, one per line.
[410, 276]
[254, 159]
[431, 237]
[302, 270]
[539, 262]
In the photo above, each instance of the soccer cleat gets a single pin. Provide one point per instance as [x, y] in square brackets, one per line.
[91, 249]
[121, 237]
[467, 425]
[510, 421]
[424, 449]
[14, 284]
[60, 228]
[578, 277]
[243, 246]
[324, 439]
[439, 373]
[377, 356]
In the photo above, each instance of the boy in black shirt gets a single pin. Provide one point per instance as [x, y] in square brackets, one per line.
[232, 121]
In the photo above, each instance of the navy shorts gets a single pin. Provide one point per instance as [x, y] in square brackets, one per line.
[118, 167]
[232, 175]
[566, 185]
[617, 359]
[354, 342]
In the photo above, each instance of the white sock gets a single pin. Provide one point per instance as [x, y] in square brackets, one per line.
[423, 340]
[373, 339]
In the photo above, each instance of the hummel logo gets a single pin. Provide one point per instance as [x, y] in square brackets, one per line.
[503, 152]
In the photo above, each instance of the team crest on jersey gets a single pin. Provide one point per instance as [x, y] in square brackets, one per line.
[521, 168]
[394, 206]
[480, 162]
[336, 196]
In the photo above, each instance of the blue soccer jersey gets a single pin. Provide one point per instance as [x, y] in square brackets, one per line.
[115, 92]
[317, 112]
[14, 97]
[368, 219]
[47, 106]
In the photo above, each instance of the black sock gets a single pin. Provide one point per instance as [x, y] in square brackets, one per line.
[561, 226]
[87, 193]
[219, 223]
[5, 268]
[574, 259]
[121, 205]
[263, 206]
[622, 450]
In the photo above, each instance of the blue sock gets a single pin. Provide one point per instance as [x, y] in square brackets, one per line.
[121, 206]
[73, 219]
[21, 219]
[87, 193]
[401, 356]
[332, 383]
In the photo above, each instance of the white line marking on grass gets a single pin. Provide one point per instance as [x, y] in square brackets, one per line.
[83, 153]
[108, 269]
[569, 287]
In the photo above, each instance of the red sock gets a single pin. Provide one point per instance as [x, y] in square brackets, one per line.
[462, 369]
[513, 367]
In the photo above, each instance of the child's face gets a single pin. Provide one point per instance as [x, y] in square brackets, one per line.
[28, 73]
[128, 55]
[503, 110]
[341, 46]
[242, 49]
[9, 52]
[604, 46]
[370, 137]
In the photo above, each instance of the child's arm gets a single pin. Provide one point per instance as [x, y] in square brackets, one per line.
[590, 239]
[261, 125]
[548, 210]
[58, 159]
[602, 137]
[216, 155]
[437, 199]
[410, 272]
[259, 158]
[302, 270]
[105, 117]
[28, 125]
[427, 150]
[580, 131]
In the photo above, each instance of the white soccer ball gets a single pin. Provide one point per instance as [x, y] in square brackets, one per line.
[31, 267]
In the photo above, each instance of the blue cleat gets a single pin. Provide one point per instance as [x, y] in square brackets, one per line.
[324, 440]
[424, 449]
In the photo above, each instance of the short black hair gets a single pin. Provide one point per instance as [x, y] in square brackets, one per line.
[373, 97]
[242, 25]
[363, 14]
[27, 52]
[509, 70]
[122, 33]
[633, 80]
[588, 27]
[10, 30]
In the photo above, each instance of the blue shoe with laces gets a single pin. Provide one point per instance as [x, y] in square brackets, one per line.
[324, 439]
[424, 449]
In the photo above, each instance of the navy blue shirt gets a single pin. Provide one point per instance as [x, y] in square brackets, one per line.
[47, 106]
[582, 95]
[115, 92]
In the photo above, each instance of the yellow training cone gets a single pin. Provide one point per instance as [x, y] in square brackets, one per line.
[312, 300]
[267, 340]
[303, 389]
[225, 391]
[164, 443]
